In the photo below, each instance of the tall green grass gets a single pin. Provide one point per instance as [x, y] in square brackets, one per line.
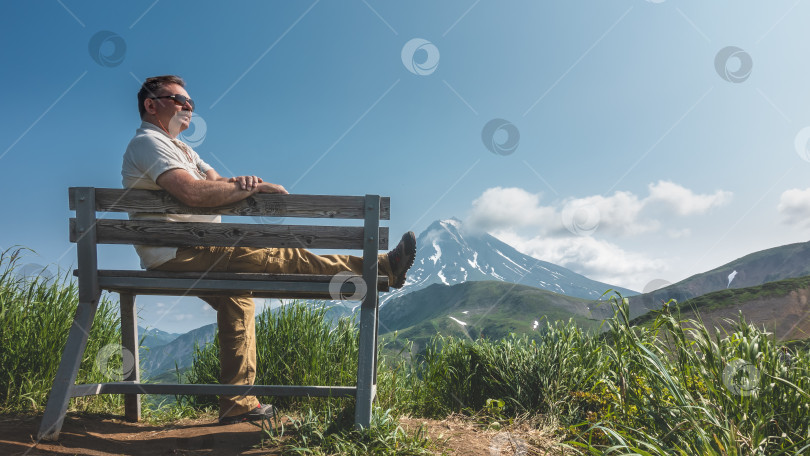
[674, 387]
[35, 316]
[679, 388]
[530, 374]
[295, 345]
[671, 387]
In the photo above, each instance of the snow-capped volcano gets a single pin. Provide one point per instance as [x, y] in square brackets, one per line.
[447, 254]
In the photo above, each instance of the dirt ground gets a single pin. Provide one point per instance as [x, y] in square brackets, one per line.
[103, 435]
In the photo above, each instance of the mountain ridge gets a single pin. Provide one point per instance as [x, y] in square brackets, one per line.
[757, 268]
[782, 307]
[449, 254]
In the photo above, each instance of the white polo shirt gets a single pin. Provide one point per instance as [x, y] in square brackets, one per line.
[149, 154]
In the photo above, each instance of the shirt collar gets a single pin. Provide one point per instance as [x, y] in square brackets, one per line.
[150, 126]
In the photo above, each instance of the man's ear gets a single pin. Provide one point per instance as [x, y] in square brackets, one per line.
[149, 106]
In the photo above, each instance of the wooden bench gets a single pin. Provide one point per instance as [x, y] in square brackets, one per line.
[87, 232]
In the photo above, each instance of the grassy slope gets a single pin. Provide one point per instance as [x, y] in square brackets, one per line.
[491, 309]
[773, 304]
[775, 264]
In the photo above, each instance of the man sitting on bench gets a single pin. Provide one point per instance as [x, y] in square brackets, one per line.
[156, 160]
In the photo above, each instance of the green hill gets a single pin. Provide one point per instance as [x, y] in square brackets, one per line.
[775, 264]
[488, 309]
[782, 307]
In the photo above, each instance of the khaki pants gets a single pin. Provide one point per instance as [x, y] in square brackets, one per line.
[235, 315]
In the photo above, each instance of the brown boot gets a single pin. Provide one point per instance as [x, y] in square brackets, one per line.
[401, 258]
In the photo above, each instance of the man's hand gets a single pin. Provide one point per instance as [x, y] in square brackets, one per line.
[267, 187]
[215, 190]
[247, 182]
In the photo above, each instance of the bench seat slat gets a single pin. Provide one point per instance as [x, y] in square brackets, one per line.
[213, 389]
[190, 234]
[224, 275]
[223, 283]
[258, 205]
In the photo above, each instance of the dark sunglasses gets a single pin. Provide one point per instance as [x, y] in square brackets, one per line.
[180, 100]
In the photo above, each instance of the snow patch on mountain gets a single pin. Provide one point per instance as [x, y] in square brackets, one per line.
[474, 261]
[458, 321]
[441, 276]
[435, 257]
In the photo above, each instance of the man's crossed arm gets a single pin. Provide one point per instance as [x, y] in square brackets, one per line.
[215, 190]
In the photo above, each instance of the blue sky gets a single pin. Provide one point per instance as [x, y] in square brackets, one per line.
[645, 150]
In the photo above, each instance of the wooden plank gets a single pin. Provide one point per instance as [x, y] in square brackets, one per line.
[83, 232]
[60, 395]
[110, 276]
[367, 349]
[258, 205]
[212, 389]
[247, 276]
[280, 294]
[190, 234]
[208, 287]
[130, 355]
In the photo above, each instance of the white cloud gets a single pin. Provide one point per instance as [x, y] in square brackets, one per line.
[683, 200]
[594, 258]
[676, 234]
[498, 207]
[620, 214]
[617, 215]
[794, 207]
[575, 232]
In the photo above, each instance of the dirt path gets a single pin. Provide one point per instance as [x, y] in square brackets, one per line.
[105, 436]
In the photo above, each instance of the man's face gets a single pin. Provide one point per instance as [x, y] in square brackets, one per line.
[171, 115]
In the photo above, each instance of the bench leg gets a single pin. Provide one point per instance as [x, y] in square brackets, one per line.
[129, 355]
[366, 366]
[66, 374]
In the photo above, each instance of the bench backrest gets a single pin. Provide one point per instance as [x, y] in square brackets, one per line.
[87, 230]
[157, 233]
